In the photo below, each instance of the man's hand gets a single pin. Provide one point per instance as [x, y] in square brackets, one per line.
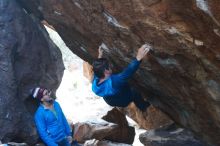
[70, 139]
[142, 51]
[100, 52]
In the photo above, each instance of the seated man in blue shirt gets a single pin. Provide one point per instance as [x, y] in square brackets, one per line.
[51, 123]
[114, 88]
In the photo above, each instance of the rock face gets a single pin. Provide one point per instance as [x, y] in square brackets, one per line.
[91, 130]
[152, 118]
[28, 59]
[87, 71]
[116, 129]
[103, 143]
[102, 131]
[124, 133]
[183, 71]
[169, 135]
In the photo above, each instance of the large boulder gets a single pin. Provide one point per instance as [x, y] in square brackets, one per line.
[170, 135]
[95, 142]
[93, 130]
[124, 133]
[152, 118]
[28, 59]
[183, 71]
[114, 130]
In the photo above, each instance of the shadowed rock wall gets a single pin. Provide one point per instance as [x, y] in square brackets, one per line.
[28, 59]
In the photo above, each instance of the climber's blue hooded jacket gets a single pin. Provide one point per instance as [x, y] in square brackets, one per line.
[52, 126]
[115, 90]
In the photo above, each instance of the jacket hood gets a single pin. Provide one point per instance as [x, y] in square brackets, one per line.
[104, 89]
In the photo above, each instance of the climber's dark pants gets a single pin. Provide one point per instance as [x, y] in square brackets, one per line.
[139, 101]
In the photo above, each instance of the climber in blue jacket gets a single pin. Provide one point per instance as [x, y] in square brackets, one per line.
[51, 123]
[114, 88]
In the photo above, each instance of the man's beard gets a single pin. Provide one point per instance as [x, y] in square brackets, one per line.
[50, 101]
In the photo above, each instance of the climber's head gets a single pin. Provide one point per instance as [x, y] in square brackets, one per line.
[102, 68]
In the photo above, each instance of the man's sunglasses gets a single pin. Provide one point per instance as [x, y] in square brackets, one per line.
[47, 93]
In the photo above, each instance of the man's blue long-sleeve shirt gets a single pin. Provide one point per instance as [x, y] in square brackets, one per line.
[52, 126]
[115, 90]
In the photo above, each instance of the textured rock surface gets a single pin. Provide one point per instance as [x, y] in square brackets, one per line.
[95, 142]
[103, 130]
[27, 59]
[93, 130]
[170, 135]
[150, 119]
[182, 73]
[87, 71]
[124, 133]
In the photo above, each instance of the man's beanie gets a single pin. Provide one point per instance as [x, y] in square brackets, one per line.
[38, 93]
